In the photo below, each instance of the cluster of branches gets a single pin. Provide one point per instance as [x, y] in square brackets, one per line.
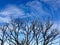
[28, 33]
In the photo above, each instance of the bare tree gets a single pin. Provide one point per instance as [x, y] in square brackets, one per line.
[13, 32]
[48, 33]
[43, 32]
[27, 29]
[3, 34]
[36, 32]
[33, 33]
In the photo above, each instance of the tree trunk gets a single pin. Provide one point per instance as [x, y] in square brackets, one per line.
[36, 40]
[2, 43]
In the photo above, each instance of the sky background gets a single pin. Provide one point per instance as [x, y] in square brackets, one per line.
[30, 9]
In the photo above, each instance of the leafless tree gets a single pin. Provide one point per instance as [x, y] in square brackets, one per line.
[3, 34]
[36, 32]
[13, 32]
[44, 32]
[27, 29]
[49, 34]
[33, 33]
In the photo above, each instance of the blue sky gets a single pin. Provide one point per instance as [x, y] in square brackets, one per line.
[15, 2]
[45, 4]
[29, 8]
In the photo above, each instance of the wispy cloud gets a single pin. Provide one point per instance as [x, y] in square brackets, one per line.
[32, 8]
[4, 20]
[36, 8]
[10, 10]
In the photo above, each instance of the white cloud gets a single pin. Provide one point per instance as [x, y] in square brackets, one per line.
[5, 20]
[37, 9]
[10, 10]
[51, 10]
[54, 3]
